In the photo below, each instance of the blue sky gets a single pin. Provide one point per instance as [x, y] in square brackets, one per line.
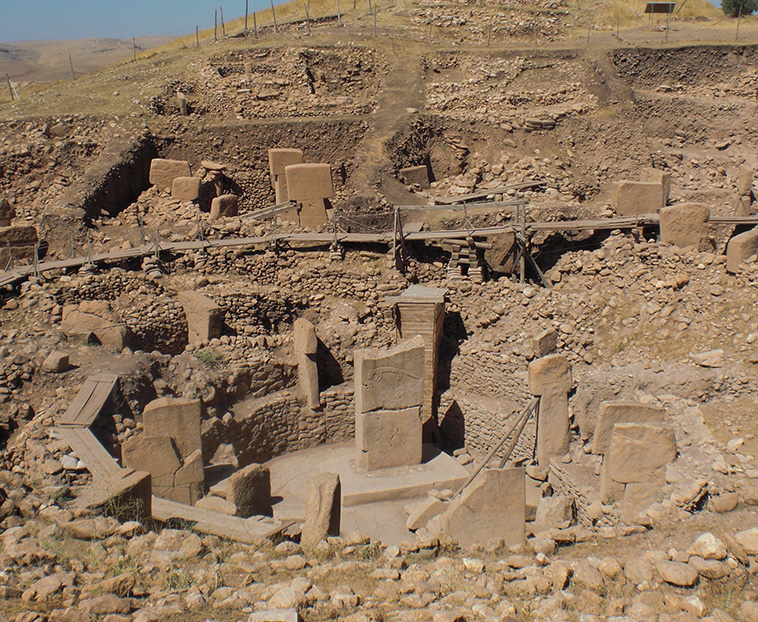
[75, 19]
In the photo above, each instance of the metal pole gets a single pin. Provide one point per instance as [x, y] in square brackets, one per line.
[668, 25]
[9, 265]
[197, 36]
[339, 17]
[215, 24]
[36, 260]
[512, 444]
[524, 413]
[375, 22]
[157, 242]
[307, 19]
[739, 19]
[71, 64]
[246, 7]
[90, 262]
[134, 50]
[10, 88]
[71, 245]
[223, 26]
[273, 13]
[255, 25]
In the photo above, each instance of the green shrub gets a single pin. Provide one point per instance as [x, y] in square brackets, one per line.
[732, 7]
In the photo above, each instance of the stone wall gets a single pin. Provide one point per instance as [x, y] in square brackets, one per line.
[278, 423]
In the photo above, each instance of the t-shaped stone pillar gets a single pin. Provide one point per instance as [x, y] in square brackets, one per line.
[306, 346]
[421, 311]
[550, 379]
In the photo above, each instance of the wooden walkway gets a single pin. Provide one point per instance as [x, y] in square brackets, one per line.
[74, 428]
[88, 403]
[247, 530]
[15, 275]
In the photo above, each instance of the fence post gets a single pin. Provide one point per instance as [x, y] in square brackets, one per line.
[134, 50]
[215, 24]
[255, 25]
[375, 10]
[71, 64]
[307, 19]
[339, 17]
[273, 13]
[223, 26]
[246, 7]
[197, 36]
[739, 19]
[10, 88]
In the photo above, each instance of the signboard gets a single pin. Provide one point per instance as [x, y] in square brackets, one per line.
[660, 8]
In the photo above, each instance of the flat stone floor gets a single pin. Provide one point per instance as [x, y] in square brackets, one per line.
[373, 503]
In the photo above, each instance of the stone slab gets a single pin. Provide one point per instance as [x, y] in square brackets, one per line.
[740, 248]
[415, 175]
[553, 435]
[178, 418]
[7, 213]
[249, 489]
[389, 438]
[158, 456]
[223, 206]
[632, 198]
[279, 159]
[185, 189]
[614, 412]
[657, 176]
[745, 180]
[322, 509]
[205, 318]
[307, 182]
[390, 379]
[307, 379]
[493, 506]
[164, 172]
[438, 470]
[685, 224]
[639, 452]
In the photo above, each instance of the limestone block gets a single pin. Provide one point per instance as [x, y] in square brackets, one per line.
[685, 224]
[7, 213]
[282, 196]
[545, 342]
[186, 189]
[127, 495]
[633, 198]
[740, 248]
[492, 506]
[390, 379]
[164, 172]
[415, 175]
[177, 418]
[657, 176]
[225, 205]
[96, 317]
[156, 455]
[249, 489]
[307, 379]
[639, 452]
[389, 438]
[551, 512]
[323, 509]
[313, 213]
[305, 337]
[420, 514]
[610, 490]
[306, 182]
[205, 318]
[745, 180]
[55, 362]
[615, 412]
[550, 375]
[189, 480]
[278, 159]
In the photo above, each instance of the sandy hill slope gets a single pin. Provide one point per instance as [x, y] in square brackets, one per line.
[41, 61]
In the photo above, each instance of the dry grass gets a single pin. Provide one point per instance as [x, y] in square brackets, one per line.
[630, 13]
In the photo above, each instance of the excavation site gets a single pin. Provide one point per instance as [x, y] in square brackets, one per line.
[407, 312]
